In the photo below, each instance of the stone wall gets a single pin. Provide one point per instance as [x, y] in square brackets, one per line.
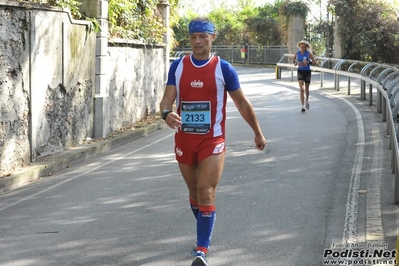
[136, 82]
[62, 77]
[14, 91]
[296, 32]
[47, 82]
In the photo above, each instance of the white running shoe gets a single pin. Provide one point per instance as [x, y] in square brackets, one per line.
[200, 259]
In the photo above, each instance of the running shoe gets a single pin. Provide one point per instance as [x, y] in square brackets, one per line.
[200, 259]
[303, 110]
[194, 249]
[307, 105]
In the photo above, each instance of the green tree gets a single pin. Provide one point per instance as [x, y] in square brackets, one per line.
[255, 26]
[229, 27]
[320, 31]
[180, 30]
[135, 19]
[264, 27]
[369, 30]
[243, 4]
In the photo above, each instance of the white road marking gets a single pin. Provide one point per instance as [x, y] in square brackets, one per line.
[109, 161]
[351, 214]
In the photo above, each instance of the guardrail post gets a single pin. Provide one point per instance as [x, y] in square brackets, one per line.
[336, 82]
[396, 194]
[396, 190]
[321, 79]
[371, 94]
[393, 163]
[349, 85]
[389, 131]
[384, 110]
[278, 72]
[379, 101]
[362, 90]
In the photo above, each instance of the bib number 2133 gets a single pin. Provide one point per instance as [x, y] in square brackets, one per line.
[196, 117]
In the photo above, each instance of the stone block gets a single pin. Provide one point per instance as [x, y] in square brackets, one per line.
[101, 46]
[101, 65]
[101, 116]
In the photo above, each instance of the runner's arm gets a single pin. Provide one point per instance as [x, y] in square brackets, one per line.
[172, 119]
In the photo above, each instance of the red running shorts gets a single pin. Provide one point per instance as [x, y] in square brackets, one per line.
[191, 150]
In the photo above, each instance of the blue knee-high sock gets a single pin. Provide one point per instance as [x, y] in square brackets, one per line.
[194, 208]
[205, 223]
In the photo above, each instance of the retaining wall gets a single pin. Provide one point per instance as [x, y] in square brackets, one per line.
[47, 82]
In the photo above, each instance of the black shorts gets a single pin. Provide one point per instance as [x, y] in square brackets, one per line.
[304, 75]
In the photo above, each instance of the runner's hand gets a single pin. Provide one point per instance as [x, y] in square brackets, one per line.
[173, 120]
[260, 142]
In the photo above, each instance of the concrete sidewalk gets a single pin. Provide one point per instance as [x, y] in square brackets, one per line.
[47, 165]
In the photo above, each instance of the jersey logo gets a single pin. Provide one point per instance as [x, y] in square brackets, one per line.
[179, 152]
[219, 148]
[197, 84]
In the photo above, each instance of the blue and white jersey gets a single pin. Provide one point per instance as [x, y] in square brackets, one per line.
[303, 60]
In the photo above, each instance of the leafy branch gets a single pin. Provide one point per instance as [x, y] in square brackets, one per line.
[297, 8]
[128, 19]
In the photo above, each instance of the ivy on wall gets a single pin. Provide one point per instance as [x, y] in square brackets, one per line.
[368, 29]
[72, 5]
[128, 19]
[139, 20]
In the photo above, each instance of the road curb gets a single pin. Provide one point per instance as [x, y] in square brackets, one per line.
[53, 163]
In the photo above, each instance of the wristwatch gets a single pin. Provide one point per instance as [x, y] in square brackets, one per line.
[165, 113]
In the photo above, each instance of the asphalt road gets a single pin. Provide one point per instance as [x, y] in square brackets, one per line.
[282, 206]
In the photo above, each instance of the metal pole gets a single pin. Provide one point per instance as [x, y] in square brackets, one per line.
[396, 193]
[384, 109]
[370, 94]
[349, 85]
[278, 72]
[336, 82]
[362, 90]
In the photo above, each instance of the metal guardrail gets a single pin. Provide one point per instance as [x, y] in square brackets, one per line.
[181, 53]
[384, 78]
[261, 55]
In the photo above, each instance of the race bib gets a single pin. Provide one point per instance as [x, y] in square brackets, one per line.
[196, 117]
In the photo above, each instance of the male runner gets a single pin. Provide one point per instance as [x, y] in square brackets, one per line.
[199, 83]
